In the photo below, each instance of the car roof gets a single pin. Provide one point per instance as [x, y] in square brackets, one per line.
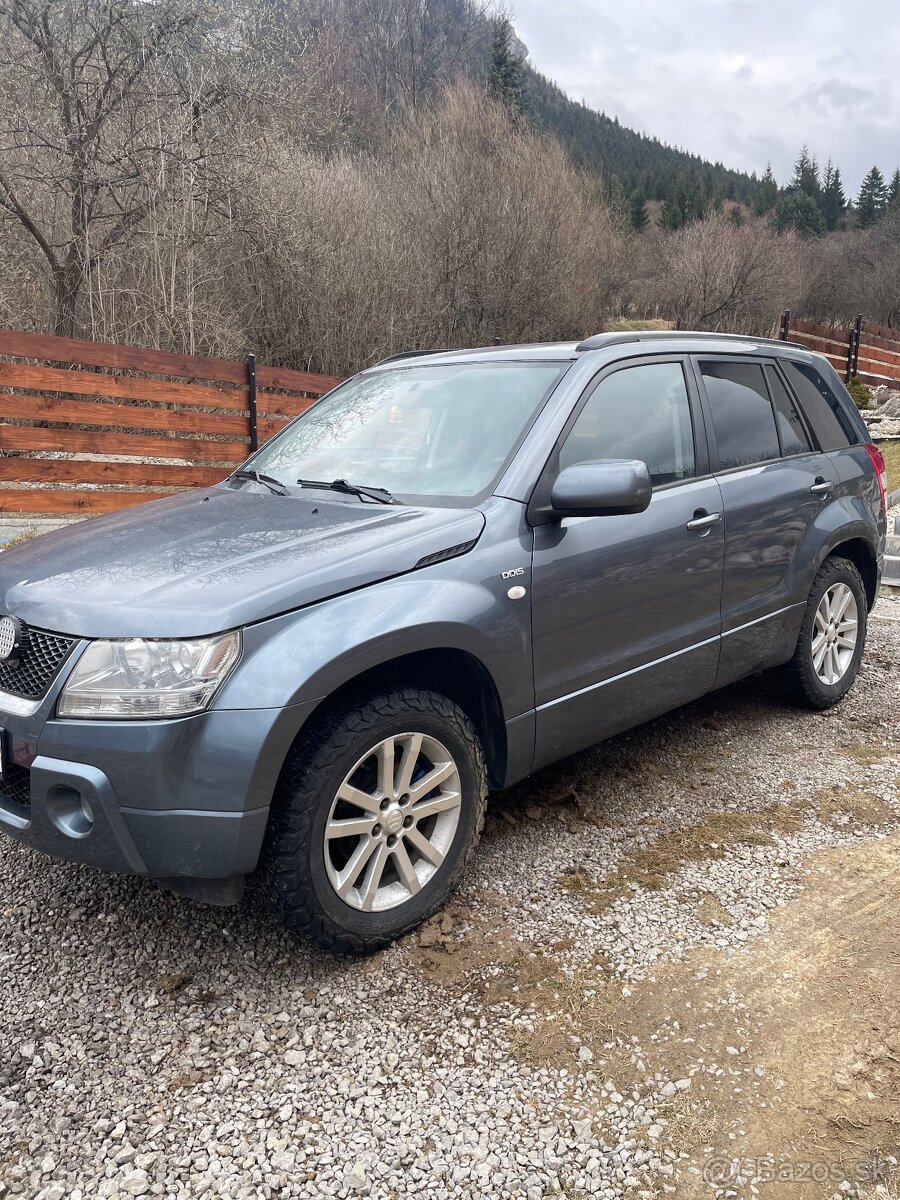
[657, 341]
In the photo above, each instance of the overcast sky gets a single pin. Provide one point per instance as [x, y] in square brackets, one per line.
[743, 81]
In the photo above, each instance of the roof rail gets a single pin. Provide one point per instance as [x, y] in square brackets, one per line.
[406, 354]
[600, 340]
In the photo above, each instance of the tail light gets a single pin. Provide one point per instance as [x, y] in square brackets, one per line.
[880, 470]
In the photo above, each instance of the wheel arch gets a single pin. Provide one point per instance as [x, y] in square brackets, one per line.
[861, 553]
[455, 673]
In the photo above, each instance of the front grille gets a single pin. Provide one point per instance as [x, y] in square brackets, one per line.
[39, 663]
[15, 789]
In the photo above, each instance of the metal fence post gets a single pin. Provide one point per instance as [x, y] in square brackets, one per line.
[786, 325]
[858, 339]
[251, 391]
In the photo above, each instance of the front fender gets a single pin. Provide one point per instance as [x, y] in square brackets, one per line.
[303, 656]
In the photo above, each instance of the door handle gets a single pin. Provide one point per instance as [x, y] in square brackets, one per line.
[703, 519]
[821, 487]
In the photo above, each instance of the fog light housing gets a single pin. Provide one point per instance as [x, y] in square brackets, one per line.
[70, 811]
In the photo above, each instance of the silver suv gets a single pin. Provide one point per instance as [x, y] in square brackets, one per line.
[452, 570]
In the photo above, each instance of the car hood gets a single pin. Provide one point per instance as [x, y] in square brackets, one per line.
[210, 560]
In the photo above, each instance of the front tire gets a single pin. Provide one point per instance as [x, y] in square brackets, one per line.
[376, 814]
[832, 638]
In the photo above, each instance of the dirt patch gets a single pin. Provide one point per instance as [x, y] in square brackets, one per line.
[465, 944]
[787, 1051]
[792, 1045]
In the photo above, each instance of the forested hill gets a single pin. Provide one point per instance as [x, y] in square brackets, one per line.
[632, 162]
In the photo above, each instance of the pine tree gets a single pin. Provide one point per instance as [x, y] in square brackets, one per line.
[894, 190]
[766, 193]
[806, 175]
[639, 210]
[796, 210]
[873, 198]
[833, 199]
[671, 216]
[505, 78]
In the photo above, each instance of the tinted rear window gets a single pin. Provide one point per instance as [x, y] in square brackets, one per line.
[823, 410]
[742, 413]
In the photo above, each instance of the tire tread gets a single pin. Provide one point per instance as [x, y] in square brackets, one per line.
[802, 687]
[285, 885]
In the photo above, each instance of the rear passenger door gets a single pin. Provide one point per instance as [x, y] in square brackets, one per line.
[774, 483]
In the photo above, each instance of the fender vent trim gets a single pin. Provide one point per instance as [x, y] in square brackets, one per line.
[442, 555]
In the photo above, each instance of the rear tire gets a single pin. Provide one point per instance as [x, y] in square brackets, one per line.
[360, 849]
[830, 647]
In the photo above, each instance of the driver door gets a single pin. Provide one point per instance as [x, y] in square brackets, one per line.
[626, 609]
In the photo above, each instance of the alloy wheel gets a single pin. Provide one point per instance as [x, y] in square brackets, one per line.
[392, 822]
[834, 634]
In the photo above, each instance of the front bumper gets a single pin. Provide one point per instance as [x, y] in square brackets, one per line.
[185, 802]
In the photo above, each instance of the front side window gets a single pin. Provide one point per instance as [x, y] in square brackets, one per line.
[742, 414]
[823, 409]
[424, 432]
[642, 413]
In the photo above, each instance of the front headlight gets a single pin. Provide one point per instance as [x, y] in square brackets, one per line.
[137, 678]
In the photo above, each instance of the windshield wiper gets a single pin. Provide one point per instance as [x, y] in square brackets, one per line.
[380, 495]
[273, 484]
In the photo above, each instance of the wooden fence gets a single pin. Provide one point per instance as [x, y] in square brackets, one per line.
[867, 350]
[176, 421]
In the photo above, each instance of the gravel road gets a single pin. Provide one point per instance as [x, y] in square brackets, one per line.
[541, 1037]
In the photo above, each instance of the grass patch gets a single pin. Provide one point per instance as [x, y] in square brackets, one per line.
[867, 754]
[711, 911]
[862, 807]
[891, 451]
[652, 866]
[25, 536]
[689, 1123]
[577, 880]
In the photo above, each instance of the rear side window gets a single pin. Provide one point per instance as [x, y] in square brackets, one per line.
[823, 410]
[742, 414]
[794, 438]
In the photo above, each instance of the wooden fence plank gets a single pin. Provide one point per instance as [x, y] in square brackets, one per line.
[75, 441]
[876, 354]
[876, 379]
[274, 404]
[107, 354]
[822, 345]
[881, 331]
[36, 500]
[89, 412]
[56, 470]
[295, 381]
[880, 343]
[94, 383]
[830, 332]
[164, 422]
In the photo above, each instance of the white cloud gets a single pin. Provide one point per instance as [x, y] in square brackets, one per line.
[737, 81]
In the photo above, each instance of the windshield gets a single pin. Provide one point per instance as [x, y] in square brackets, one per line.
[418, 432]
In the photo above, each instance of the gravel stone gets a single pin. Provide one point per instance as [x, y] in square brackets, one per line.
[274, 1071]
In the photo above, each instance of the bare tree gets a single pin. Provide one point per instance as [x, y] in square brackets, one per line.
[83, 128]
[714, 274]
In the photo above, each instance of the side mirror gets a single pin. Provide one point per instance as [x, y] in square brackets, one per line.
[601, 489]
